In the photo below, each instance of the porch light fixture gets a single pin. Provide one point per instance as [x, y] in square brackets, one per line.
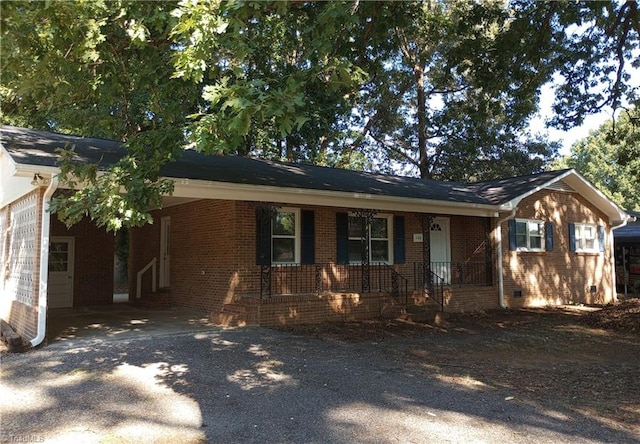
[39, 181]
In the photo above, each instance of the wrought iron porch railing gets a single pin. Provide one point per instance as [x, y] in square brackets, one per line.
[286, 279]
[453, 273]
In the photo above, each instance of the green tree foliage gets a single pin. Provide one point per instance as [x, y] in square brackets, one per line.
[437, 89]
[99, 69]
[610, 159]
[595, 44]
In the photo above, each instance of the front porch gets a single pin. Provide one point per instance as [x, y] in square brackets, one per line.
[314, 293]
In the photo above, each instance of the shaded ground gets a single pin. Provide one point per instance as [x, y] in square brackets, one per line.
[522, 376]
[585, 359]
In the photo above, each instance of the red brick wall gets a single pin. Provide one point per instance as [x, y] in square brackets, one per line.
[558, 276]
[203, 245]
[203, 249]
[93, 261]
[315, 309]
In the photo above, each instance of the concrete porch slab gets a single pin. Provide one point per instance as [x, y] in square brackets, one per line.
[122, 321]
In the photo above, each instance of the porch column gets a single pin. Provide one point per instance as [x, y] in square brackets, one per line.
[427, 220]
[367, 219]
[488, 253]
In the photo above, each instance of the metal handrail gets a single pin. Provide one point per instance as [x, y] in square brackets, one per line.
[436, 289]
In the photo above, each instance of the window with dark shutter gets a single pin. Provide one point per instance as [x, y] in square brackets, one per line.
[342, 238]
[548, 234]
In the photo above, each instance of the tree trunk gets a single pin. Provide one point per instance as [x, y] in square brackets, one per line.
[422, 121]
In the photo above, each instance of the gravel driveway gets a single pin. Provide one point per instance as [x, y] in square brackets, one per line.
[255, 385]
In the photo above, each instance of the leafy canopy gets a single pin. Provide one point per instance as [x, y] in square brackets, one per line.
[610, 159]
[436, 89]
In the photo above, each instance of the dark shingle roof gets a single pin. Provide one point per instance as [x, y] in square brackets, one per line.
[38, 148]
[631, 231]
[503, 190]
[32, 147]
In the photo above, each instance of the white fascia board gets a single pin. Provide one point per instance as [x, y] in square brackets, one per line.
[201, 189]
[16, 178]
[28, 170]
[581, 185]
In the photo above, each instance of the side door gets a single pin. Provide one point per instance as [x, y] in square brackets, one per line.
[60, 281]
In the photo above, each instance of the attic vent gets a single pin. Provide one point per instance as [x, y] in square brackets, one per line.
[560, 185]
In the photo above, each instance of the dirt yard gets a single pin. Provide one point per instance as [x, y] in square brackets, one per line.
[585, 359]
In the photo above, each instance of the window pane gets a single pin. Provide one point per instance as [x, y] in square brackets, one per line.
[355, 226]
[379, 251]
[57, 265]
[589, 232]
[58, 246]
[283, 250]
[589, 244]
[355, 251]
[379, 228]
[535, 229]
[58, 257]
[284, 224]
[536, 242]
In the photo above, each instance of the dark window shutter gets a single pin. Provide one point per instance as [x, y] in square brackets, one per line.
[342, 238]
[548, 233]
[601, 237]
[512, 235]
[308, 230]
[398, 240]
[263, 238]
[572, 237]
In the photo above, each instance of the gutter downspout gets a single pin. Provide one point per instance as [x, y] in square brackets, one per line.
[44, 263]
[499, 246]
[613, 258]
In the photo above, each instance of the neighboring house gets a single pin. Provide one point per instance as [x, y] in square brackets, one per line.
[627, 256]
[271, 243]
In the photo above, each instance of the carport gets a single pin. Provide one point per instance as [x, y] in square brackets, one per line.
[121, 321]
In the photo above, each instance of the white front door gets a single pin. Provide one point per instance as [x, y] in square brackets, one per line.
[60, 285]
[441, 248]
[165, 251]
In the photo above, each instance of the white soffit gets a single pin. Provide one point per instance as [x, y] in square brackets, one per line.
[199, 189]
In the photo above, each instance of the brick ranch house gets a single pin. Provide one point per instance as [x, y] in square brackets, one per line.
[260, 242]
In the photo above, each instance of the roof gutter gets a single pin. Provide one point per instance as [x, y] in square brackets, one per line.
[44, 262]
[499, 247]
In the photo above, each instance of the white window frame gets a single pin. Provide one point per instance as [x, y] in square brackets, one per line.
[580, 238]
[296, 237]
[528, 247]
[389, 239]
